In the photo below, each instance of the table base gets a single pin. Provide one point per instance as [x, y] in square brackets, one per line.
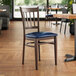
[70, 58]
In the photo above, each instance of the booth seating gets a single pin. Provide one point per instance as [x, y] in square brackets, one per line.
[4, 15]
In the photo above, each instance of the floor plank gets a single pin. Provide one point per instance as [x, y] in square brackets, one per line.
[11, 53]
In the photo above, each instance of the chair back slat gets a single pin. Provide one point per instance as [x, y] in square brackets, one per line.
[30, 17]
[27, 22]
[34, 18]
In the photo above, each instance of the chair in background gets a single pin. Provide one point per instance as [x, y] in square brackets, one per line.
[36, 37]
[4, 15]
[64, 11]
[48, 15]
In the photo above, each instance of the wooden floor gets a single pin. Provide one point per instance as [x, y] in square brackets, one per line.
[11, 54]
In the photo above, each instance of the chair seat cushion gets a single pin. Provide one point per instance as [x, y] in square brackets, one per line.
[40, 34]
[49, 15]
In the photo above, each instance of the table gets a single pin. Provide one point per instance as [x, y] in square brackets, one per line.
[69, 16]
[66, 16]
[56, 9]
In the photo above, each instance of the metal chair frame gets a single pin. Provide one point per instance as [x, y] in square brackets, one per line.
[36, 41]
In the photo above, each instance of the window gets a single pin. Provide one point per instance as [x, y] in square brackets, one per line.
[40, 3]
[18, 3]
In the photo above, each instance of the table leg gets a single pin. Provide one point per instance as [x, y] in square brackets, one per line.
[73, 58]
[56, 19]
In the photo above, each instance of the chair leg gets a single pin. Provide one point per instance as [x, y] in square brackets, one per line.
[45, 21]
[23, 51]
[49, 23]
[36, 54]
[61, 26]
[39, 51]
[55, 49]
[65, 28]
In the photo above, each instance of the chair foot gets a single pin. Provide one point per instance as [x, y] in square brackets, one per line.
[39, 59]
[55, 63]
[36, 68]
[23, 54]
[22, 63]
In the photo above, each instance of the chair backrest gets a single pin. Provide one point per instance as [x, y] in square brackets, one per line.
[47, 11]
[30, 17]
[74, 8]
[64, 10]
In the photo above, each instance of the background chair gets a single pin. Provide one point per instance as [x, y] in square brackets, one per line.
[64, 11]
[48, 15]
[36, 37]
[4, 15]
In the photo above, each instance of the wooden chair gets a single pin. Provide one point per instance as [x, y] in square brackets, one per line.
[36, 37]
[5, 16]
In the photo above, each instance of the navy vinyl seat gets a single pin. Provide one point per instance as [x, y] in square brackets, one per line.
[49, 15]
[40, 34]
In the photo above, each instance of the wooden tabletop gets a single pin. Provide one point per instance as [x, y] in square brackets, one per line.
[67, 16]
[54, 8]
